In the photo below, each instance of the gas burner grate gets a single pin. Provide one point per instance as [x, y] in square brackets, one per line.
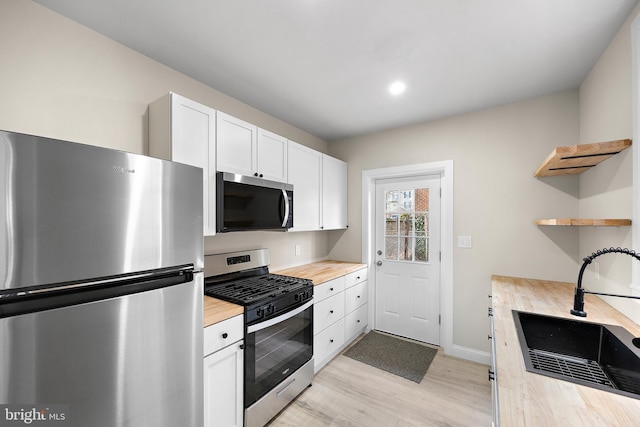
[255, 288]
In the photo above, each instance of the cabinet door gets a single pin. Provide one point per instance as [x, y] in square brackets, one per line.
[272, 156]
[193, 135]
[356, 296]
[327, 343]
[355, 322]
[327, 312]
[305, 174]
[328, 289]
[223, 387]
[356, 277]
[334, 193]
[236, 145]
[221, 334]
[184, 131]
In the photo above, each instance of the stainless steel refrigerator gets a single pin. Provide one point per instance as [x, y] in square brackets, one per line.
[101, 287]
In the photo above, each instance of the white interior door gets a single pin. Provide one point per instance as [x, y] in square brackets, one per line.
[407, 246]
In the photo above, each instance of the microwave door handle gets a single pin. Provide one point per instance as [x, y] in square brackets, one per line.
[286, 207]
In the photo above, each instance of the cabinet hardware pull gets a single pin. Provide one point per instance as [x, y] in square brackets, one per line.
[225, 335]
[331, 311]
[331, 340]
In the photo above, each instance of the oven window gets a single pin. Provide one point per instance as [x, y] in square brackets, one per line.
[274, 353]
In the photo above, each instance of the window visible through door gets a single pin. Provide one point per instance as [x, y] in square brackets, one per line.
[407, 224]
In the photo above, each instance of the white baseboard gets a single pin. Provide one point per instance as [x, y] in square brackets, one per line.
[470, 354]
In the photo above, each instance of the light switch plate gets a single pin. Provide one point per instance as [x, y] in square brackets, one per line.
[464, 241]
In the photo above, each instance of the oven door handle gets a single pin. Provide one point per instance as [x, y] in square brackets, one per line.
[288, 315]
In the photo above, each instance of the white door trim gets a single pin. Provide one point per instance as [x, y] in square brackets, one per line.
[445, 169]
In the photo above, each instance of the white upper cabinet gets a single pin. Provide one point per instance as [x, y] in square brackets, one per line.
[272, 156]
[334, 193]
[305, 173]
[237, 147]
[184, 131]
[245, 149]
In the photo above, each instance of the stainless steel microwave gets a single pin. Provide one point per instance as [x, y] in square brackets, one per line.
[245, 203]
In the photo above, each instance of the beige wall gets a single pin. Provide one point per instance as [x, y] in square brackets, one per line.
[606, 190]
[61, 80]
[495, 153]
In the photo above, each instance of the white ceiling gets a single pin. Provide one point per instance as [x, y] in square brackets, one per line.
[325, 65]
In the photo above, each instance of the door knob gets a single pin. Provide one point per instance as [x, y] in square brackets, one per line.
[379, 263]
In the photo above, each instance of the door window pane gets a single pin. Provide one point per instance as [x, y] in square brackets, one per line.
[407, 224]
[391, 247]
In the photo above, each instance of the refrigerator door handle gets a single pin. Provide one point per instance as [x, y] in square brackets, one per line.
[156, 274]
[23, 301]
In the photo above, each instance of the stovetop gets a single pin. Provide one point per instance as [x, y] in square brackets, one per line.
[253, 289]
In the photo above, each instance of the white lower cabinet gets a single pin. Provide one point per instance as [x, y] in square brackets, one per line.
[340, 314]
[328, 312]
[327, 343]
[224, 373]
[493, 373]
[355, 321]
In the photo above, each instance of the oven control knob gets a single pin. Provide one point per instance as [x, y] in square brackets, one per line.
[260, 312]
[270, 309]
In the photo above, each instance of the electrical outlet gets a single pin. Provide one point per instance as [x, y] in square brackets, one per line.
[297, 250]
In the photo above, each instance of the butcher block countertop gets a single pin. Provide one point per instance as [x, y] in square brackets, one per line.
[216, 310]
[322, 271]
[529, 399]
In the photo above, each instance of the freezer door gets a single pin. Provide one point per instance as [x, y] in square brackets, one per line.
[131, 361]
[71, 212]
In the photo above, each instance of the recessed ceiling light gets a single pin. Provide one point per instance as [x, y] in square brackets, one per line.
[397, 88]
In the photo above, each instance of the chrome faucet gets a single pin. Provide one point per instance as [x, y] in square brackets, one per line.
[578, 298]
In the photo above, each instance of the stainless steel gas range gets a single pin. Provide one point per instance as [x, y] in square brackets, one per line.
[278, 312]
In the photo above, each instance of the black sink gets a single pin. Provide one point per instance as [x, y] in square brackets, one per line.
[592, 354]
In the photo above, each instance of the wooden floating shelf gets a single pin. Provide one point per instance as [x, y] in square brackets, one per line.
[575, 159]
[581, 222]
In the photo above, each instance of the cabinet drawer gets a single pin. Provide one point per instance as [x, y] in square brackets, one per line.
[328, 311]
[220, 335]
[356, 296]
[328, 342]
[356, 321]
[356, 277]
[327, 289]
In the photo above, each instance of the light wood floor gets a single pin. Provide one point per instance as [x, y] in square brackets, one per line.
[454, 392]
